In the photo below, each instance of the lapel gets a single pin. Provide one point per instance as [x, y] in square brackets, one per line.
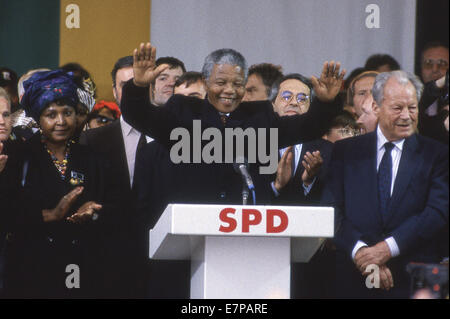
[118, 148]
[306, 147]
[366, 170]
[408, 164]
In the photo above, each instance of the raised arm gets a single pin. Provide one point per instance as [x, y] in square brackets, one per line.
[144, 65]
[136, 108]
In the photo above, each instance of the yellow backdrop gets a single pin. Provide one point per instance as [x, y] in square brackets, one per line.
[108, 30]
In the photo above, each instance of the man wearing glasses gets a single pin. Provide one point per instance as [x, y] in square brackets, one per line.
[434, 62]
[301, 169]
[299, 164]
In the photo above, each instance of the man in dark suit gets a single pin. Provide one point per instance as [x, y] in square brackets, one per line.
[299, 175]
[390, 192]
[118, 143]
[216, 182]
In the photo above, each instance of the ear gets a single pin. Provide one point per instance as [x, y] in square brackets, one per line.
[375, 108]
[114, 92]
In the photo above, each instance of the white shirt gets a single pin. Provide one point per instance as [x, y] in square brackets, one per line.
[396, 154]
[131, 138]
[298, 152]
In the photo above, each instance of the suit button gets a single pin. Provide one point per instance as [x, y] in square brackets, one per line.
[223, 195]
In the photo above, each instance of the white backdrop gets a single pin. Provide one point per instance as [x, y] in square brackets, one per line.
[297, 34]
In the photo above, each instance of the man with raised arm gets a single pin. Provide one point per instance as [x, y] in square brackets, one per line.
[225, 73]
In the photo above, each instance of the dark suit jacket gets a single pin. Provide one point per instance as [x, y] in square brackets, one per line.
[217, 182]
[156, 186]
[293, 193]
[418, 210]
[108, 141]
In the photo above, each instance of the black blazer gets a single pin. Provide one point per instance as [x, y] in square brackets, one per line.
[108, 141]
[127, 245]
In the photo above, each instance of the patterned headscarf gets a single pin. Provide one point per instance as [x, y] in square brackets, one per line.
[86, 93]
[43, 88]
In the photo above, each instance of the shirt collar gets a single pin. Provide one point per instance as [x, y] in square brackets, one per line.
[127, 129]
[381, 140]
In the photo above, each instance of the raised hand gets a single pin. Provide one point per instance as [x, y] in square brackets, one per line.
[330, 82]
[284, 170]
[63, 206]
[144, 65]
[312, 164]
[84, 213]
[3, 158]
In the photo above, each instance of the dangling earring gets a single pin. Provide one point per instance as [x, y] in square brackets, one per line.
[43, 138]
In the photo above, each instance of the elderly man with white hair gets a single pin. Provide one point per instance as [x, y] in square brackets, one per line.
[390, 191]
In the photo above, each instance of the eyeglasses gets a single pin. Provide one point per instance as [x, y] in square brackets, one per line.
[301, 98]
[441, 64]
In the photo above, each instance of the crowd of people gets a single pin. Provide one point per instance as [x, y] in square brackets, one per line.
[83, 180]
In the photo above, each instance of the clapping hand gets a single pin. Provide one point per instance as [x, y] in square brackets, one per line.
[144, 65]
[312, 163]
[284, 170]
[84, 213]
[63, 206]
[330, 82]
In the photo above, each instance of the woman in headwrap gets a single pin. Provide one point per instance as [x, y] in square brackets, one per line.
[62, 202]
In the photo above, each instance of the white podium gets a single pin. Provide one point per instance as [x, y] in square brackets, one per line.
[240, 252]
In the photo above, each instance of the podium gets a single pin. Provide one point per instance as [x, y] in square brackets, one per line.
[240, 252]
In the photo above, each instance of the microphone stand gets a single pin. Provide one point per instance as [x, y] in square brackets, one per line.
[245, 194]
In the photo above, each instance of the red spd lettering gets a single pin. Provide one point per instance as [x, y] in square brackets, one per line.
[246, 221]
[226, 219]
[284, 221]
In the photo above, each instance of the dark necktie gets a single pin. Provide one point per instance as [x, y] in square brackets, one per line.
[385, 179]
[142, 142]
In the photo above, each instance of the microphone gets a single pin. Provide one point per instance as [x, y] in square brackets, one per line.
[242, 169]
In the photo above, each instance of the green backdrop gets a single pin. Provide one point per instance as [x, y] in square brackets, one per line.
[29, 34]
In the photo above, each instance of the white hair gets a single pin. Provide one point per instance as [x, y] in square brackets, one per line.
[402, 78]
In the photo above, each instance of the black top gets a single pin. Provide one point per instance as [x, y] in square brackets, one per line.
[41, 251]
